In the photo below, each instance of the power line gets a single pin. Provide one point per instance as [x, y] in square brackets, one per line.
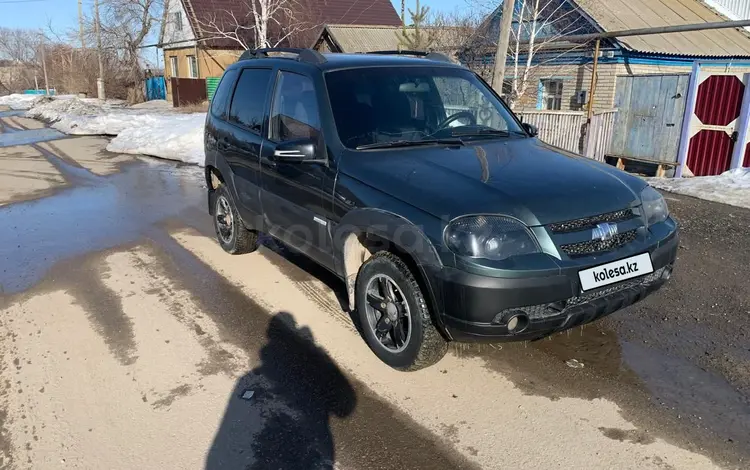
[22, 1]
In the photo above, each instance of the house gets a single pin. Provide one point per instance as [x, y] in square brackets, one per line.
[365, 38]
[558, 75]
[197, 43]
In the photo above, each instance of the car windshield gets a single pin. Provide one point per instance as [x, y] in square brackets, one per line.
[392, 106]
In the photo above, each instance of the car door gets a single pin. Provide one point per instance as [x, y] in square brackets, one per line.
[242, 145]
[294, 194]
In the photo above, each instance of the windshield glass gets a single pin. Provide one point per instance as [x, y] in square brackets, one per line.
[410, 104]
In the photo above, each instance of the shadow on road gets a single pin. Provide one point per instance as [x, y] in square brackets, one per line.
[285, 424]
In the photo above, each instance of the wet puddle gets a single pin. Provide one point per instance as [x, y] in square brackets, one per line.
[96, 213]
[12, 137]
[12, 113]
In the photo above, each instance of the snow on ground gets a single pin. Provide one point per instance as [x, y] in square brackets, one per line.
[153, 130]
[173, 136]
[17, 101]
[731, 187]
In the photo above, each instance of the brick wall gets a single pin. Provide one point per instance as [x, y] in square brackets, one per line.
[575, 78]
[578, 77]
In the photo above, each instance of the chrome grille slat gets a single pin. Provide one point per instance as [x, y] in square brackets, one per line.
[590, 222]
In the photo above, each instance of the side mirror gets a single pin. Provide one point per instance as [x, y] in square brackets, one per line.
[297, 151]
[531, 129]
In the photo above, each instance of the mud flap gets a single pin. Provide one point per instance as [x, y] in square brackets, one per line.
[211, 201]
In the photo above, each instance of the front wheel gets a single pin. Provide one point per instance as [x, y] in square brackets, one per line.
[394, 316]
[231, 233]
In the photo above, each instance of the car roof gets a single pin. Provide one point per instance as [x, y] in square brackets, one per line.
[340, 60]
[335, 61]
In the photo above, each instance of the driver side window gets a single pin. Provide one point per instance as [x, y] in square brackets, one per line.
[458, 94]
[294, 114]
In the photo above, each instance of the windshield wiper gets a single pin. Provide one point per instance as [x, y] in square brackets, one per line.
[487, 133]
[410, 143]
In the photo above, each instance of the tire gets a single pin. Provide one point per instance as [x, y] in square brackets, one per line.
[239, 240]
[424, 346]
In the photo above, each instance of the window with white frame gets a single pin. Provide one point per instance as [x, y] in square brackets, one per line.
[173, 66]
[552, 94]
[177, 19]
[193, 66]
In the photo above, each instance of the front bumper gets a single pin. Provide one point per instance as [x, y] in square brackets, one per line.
[476, 308]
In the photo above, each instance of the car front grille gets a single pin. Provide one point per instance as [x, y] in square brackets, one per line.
[590, 222]
[590, 247]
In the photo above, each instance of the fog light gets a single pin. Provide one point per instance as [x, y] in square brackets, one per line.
[518, 322]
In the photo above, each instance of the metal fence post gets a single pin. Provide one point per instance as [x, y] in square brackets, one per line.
[687, 119]
[744, 120]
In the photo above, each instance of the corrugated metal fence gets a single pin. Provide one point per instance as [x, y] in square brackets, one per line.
[568, 130]
[564, 129]
[211, 84]
[188, 91]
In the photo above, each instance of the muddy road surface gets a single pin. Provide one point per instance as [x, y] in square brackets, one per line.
[129, 339]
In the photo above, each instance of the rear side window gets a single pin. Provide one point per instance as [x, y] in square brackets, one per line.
[249, 100]
[220, 102]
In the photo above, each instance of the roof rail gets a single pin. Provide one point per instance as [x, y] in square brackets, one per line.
[303, 55]
[427, 55]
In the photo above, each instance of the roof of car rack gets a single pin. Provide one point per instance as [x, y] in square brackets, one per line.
[424, 54]
[337, 60]
[303, 55]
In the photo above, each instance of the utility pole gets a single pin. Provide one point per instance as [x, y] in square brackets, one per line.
[80, 23]
[498, 74]
[100, 79]
[44, 67]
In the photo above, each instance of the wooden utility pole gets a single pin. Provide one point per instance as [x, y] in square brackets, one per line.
[100, 80]
[592, 86]
[44, 67]
[498, 74]
[80, 24]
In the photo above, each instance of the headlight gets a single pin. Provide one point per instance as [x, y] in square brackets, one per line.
[489, 237]
[654, 206]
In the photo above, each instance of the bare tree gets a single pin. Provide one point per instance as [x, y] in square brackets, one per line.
[19, 53]
[451, 31]
[125, 25]
[539, 27]
[256, 23]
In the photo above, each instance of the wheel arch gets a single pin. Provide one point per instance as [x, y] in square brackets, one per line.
[361, 233]
[217, 173]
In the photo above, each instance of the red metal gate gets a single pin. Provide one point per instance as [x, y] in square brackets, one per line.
[717, 110]
[187, 91]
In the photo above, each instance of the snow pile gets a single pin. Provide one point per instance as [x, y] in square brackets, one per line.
[157, 132]
[731, 187]
[63, 114]
[17, 101]
[172, 136]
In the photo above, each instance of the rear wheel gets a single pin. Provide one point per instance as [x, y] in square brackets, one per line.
[394, 316]
[232, 235]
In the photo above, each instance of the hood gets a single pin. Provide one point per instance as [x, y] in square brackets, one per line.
[520, 177]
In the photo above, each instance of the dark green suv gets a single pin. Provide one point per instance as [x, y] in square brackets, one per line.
[444, 215]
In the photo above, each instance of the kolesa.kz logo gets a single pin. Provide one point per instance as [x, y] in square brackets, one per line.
[613, 273]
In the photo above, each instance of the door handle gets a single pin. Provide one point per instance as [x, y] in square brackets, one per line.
[266, 161]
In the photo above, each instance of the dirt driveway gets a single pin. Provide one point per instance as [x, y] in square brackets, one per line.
[131, 340]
